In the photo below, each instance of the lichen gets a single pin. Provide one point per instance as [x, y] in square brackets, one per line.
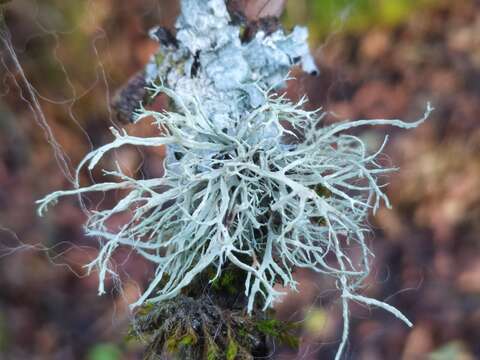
[211, 62]
[252, 180]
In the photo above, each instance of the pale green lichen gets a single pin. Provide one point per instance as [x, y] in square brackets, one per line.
[265, 187]
[248, 199]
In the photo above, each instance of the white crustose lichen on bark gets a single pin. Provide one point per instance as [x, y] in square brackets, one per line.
[235, 190]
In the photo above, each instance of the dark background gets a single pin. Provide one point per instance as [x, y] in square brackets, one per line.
[378, 58]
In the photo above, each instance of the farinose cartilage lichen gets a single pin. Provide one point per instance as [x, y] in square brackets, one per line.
[235, 190]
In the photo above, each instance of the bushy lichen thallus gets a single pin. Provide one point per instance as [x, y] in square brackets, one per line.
[252, 180]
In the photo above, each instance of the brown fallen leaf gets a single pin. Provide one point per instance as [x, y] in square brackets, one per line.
[256, 9]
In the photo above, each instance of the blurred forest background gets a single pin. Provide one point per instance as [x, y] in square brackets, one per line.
[377, 58]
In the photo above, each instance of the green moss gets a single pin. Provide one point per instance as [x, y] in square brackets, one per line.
[188, 340]
[242, 333]
[146, 309]
[228, 281]
[212, 352]
[172, 344]
[175, 342]
[188, 326]
[268, 327]
[289, 340]
[232, 350]
[282, 331]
